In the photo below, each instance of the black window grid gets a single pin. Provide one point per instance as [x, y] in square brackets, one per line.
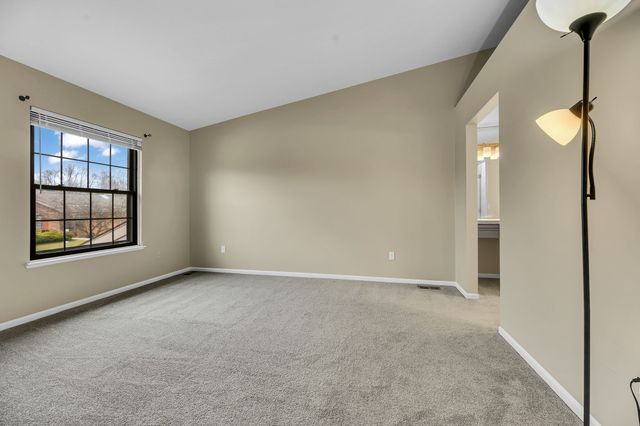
[131, 201]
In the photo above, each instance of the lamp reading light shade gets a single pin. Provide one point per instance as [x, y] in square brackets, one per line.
[559, 15]
[562, 125]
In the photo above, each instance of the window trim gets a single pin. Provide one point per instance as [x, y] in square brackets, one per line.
[135, 167]
[38, 263]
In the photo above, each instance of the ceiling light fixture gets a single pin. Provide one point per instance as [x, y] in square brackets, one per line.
[488, 151]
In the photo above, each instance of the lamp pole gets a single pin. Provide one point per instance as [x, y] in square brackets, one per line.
[585, 27]
[586, 278]
[560, 16]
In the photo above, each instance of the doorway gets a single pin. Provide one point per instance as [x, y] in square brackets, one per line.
[488, 200]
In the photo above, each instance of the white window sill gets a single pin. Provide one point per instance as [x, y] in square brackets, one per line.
[80, 256]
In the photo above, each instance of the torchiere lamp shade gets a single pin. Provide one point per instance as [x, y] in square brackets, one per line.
[561, 125]
[559, 14]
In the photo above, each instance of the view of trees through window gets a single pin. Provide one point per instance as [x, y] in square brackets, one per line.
[83, 193]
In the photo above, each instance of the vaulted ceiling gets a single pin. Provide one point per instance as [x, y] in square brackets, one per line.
[199, 62]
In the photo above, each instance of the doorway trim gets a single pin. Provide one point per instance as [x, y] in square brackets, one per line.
[470, 240]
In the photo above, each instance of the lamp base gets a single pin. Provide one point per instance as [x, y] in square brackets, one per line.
[587, 25]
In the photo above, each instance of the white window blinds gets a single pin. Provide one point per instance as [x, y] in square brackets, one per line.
[51, 120]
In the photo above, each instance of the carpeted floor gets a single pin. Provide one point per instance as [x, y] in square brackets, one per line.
[232, 349]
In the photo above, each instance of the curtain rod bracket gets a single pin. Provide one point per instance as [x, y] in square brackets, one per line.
[24, 97]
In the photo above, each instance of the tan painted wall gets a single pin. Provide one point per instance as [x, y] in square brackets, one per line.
[332, 183]
[489, 255]
[541, 299]
[493, 187]
[165, 217]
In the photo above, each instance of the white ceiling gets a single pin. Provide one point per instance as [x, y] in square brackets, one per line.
[199, 62]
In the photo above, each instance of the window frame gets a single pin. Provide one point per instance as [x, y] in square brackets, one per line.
[133, 194]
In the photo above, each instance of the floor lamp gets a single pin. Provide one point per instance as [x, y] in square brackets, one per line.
[581, 17]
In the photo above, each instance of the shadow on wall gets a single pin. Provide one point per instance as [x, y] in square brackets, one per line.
[509, 14]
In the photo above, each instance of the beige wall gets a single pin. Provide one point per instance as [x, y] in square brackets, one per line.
[489, 255]
[332, 183]
[165, 217]
[493, 187]
[535, 71]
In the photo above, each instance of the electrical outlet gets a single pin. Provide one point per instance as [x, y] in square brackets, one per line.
[392, 255]
[223, 249]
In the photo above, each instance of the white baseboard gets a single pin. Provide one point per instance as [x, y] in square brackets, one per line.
[51, 311]
[489, 276]
[564, 394]
[465, 293]
[413, 281]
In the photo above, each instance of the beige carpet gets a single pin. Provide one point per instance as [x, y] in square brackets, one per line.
[231, 349]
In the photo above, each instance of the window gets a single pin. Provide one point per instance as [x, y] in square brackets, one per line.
[83, 187]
